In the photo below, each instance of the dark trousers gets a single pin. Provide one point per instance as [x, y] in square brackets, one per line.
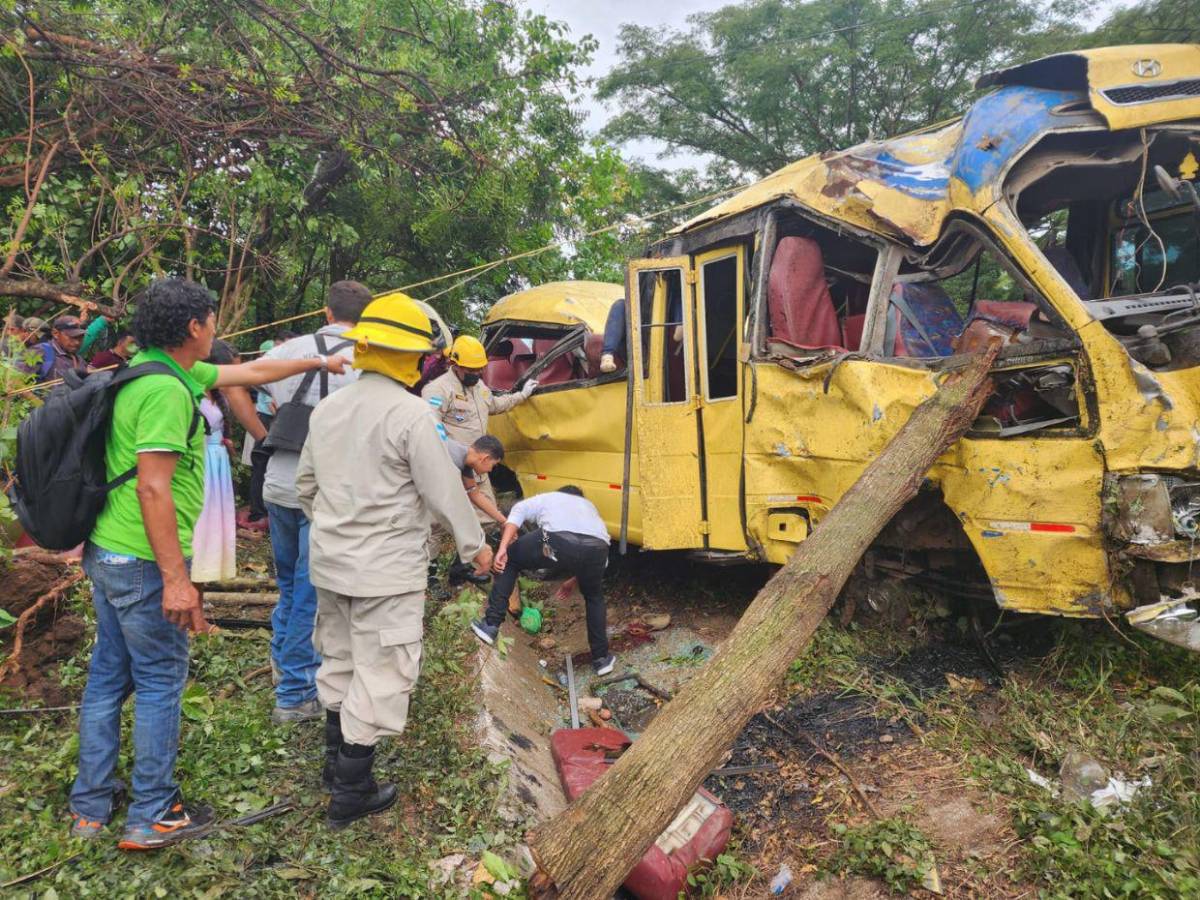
[614, 330]
[259, 457]
[577, 554]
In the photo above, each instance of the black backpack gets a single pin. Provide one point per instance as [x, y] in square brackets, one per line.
[61, 481]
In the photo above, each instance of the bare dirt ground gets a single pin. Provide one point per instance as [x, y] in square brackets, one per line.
[52, 634]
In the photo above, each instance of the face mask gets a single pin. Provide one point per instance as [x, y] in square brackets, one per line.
[470, 379]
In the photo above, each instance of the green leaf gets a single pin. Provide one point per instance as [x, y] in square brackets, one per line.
[1166, 713]
[1170, 694]
[498, 867]
[196, 704]
[6, 618]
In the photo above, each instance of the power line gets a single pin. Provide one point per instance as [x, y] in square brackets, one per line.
[471, 272]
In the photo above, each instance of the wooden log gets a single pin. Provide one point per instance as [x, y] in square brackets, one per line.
[226, 598]
[236, 585]
[586, 850]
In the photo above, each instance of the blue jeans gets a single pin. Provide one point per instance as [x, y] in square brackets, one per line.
[296, 612]
[137, 651]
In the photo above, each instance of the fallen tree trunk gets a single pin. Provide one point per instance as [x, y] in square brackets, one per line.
[586, 850]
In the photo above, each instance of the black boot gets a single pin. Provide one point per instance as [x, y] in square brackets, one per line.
[355, 793]
[333, 743]
[461, 571]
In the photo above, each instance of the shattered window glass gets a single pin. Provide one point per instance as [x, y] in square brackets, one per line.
[1137, 255]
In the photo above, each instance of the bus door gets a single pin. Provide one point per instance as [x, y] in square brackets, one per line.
[720, 342]
[665, 398]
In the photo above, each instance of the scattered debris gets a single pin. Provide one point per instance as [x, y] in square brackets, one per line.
[782, 879]
[1043, 782]
[446, 867]
[531, 620]
[932, 879]
[572, 696]
[1085, 779]
[657, 621]
[1081, 775]
[1117, 792]
[832, 759]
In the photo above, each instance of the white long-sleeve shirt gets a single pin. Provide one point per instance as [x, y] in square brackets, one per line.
[556, 511]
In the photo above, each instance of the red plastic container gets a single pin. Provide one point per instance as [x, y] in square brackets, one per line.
[700, 831]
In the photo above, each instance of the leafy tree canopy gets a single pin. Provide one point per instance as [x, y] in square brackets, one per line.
[763, 83]
[268, 147]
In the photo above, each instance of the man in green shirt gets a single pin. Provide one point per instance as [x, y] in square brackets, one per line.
[137, 559]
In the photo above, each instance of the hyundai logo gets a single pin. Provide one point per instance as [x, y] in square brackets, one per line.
[1147, 68]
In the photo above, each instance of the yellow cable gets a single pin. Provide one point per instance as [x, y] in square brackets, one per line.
[472, 271]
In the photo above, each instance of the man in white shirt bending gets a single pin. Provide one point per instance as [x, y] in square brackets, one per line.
[570, 538]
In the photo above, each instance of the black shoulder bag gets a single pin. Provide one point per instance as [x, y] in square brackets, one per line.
[289, 429]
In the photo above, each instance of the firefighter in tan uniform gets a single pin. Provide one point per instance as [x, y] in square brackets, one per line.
[372, 471]
[462, 402]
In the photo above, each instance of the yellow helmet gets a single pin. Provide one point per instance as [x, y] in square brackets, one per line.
[394, 322]
[468, 352]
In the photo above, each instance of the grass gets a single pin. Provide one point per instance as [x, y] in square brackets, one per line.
[1124, 699]
[892, 849]
[232, 757]
[1131, 705]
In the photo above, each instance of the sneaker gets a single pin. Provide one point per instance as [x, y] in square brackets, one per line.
[183, 821]
[309, 709]
[607, 363]
[84, 828]
[604, 666]
[485, 632]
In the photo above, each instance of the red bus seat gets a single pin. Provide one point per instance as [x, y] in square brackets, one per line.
[800, 309]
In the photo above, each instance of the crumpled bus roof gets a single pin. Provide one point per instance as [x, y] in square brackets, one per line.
[559, 303]
[905, 187]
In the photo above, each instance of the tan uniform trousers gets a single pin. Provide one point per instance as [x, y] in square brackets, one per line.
[370, 658]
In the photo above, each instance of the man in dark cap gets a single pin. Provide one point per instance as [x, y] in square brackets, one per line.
[55, 357]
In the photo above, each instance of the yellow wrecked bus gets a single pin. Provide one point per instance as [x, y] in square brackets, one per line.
[778, 341]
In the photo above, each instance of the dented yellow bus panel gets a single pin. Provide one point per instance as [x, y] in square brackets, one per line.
[778, 341]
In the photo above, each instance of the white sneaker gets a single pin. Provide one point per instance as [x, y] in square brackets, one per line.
[604, 666]
[607, 363]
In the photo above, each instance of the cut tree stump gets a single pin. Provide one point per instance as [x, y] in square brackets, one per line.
[586, 851]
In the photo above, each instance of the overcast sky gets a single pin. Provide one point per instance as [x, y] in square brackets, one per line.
[603, 20]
